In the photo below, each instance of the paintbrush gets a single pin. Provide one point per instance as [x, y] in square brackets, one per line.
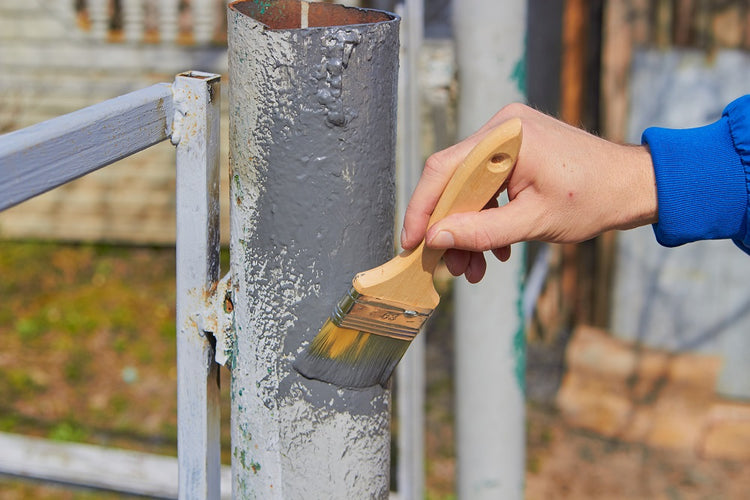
[374, 323]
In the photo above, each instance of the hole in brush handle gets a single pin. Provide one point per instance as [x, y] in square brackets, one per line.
[498, 162]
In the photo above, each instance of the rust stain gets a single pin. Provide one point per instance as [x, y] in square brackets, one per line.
[228, 304]
[286, 14]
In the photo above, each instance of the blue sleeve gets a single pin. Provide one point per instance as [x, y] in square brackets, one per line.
[703, 179]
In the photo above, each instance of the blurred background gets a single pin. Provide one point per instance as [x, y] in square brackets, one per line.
[638, 357]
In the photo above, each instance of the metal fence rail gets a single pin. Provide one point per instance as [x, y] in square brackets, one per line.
[47, 155]
[44, 156]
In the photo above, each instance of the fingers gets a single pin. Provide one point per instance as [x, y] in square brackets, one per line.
[437, 172]
[471, 264]
[477, 267]
[502, 254]
[457, 261]
[491, 229]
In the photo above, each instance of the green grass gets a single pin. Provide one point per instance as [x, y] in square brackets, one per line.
[88, 350]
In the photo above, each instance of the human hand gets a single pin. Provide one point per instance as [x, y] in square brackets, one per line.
[567, 186]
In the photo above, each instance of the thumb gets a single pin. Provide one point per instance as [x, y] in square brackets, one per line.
[480, 231]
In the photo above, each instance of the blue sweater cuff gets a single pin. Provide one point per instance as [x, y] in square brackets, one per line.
[700, 182]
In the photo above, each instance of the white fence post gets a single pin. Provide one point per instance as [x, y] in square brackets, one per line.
[410, 374]
[195, 131]
[490, 345]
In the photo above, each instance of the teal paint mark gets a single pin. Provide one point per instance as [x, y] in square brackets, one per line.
[247, 464]
[519, 338]
[263, 6]
[518, 74]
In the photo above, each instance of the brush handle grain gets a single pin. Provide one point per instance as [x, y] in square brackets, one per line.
[407, 278]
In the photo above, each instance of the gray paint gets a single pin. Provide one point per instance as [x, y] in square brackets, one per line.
[312, 142]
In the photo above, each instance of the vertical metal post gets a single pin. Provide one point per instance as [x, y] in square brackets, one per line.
[411, 372]
[312, 145]
[195, 131]
[490, 349]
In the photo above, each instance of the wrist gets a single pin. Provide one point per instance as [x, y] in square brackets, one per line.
[636, 192]
[646, 206]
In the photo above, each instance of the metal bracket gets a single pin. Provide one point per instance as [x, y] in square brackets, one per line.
[217, 320]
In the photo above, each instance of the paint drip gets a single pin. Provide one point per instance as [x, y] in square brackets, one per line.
[339, 45]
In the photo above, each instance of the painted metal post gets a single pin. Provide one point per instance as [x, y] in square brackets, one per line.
[490, 350]
[411, 371]
[195, 131]
[312, 145]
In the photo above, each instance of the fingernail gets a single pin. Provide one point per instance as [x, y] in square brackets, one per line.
[443, 239]
[403, 236]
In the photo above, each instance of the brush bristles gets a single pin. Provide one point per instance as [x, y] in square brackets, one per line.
[350, 358]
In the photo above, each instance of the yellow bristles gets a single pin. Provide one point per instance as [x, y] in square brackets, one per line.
[339, 343]
[350, 358]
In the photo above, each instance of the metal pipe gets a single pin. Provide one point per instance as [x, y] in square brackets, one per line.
[410, 374]
[490, 359]
[312, 145]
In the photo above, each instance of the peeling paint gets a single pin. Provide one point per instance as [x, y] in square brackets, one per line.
[180, 110]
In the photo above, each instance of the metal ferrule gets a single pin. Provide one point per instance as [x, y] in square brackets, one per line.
[379, 316]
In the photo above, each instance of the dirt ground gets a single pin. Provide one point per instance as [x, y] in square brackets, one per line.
[79, 363]
[569, 464]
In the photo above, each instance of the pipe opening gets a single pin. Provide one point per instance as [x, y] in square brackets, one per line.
[292, 14]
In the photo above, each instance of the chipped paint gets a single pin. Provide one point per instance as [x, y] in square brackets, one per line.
[183, 98]
[216, 318]
[312, 148]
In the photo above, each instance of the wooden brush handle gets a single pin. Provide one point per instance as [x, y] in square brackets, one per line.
[481, 174]
[407, 278]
